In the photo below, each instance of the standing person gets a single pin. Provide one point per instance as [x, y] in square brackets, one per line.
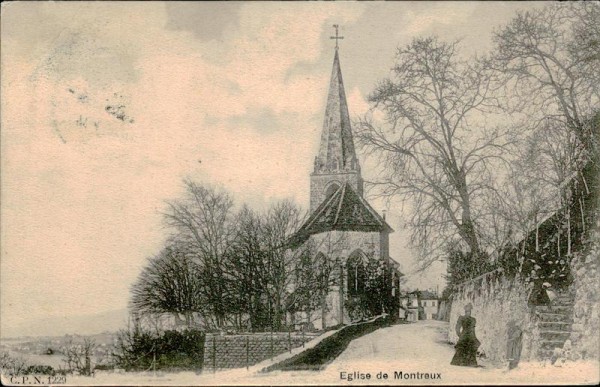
[539, 294]
[514, 344]
[467, 344]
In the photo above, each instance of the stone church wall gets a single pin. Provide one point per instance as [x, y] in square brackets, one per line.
[340, 245]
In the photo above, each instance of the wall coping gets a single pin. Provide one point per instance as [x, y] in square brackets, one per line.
[473, 280]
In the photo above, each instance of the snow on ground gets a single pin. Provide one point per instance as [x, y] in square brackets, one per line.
[417, 349]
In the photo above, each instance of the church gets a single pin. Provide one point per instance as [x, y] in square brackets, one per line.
[345, 230]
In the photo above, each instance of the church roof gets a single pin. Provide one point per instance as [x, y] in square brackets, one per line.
[344, 210]
[337, 145]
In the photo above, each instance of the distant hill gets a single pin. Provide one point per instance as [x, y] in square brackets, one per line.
[91, 324]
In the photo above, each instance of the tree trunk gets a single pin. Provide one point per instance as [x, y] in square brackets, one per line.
[324, 311]
[277, 312]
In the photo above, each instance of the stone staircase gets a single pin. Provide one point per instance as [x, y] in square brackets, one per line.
[554, 323]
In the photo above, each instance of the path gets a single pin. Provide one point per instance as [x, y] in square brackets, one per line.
[417, 349]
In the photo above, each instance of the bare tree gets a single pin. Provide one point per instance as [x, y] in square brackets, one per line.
[245, 265]
[550, 60]
[170, 283]
[202, 221]
[537, 184]
[552, 57]
[434, 146]
[261, 264]
[10, 365]
[77, 356]
[304, 294]
[280, 223]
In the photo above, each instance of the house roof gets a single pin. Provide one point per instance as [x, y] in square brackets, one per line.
[423, 294]
[427, 295]
[344, 210]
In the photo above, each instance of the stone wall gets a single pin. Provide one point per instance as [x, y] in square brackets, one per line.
[237, 351]
[444, 311]
[497, 302]
[586, 322]
[584, 268]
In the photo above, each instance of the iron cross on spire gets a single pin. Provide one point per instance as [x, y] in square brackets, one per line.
[336, 37]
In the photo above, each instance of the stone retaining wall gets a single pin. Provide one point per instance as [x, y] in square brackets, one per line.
[237, 351]
[585, 268]
[585, 338]
[497, 302]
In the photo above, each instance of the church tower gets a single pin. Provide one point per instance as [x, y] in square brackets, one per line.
[343, 227]
[336, 163]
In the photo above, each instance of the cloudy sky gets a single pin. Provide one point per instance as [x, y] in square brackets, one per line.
[106, 107]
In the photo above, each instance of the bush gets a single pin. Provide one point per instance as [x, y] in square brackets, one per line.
[375, 294]
[356, 308]
[10, 365]
[39, 370]
[104, 367]
[142, 350]
[77, 355]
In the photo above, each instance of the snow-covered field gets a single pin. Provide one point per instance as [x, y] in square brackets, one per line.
[415, 350]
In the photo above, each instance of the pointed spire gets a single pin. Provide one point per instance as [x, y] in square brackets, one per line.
[336, 152]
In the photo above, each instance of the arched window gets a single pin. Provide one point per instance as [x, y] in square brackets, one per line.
[322, 272]
[356, 274]
[331, 189]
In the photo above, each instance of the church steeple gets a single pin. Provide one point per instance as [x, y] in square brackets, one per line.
[336, 151]
[336, 162]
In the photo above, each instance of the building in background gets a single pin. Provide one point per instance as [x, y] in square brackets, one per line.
[420, 305]
[430, 304]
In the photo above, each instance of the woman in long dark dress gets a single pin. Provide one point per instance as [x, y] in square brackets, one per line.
[467, 344]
